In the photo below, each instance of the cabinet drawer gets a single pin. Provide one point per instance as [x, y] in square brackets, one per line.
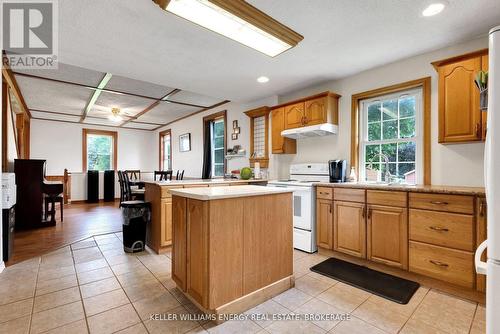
[442, 202]
[349, 195]
[324, 193]
[442, 229]
[450, 265]
[392, 198]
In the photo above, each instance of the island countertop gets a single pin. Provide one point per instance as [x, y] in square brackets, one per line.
[212, 193]
[194, 182]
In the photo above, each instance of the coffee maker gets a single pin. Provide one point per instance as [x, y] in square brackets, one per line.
[337, 170]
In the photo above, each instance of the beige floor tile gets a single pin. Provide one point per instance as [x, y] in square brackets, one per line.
[104, 236]
[419, 327]
[91, 265]
[168, 283]
[128, 267]
[84, 244]
[113, 320]
[56, 284]
[355, 326]
[118, 245]
[94, 275]
[135, 329]
[15, 310]
[198, 330]
[119, 259]
[62, 250]
[77, 327]
[46, 274]
[12, 291]
[344, 297]
[155, 305]
[322, 278]
[407, 309]
[318, 307]
[181, 298]
[479, 322]
[297, 255]
[233, 326]
[293, 327]
[176, 325]
[144, 290]
[312, 286]
[99, 287]
[54, 299]
[56, 317]
[104, 302]
[292, 299]
[56, 260]
[267, 309]
[445, 312]
[16, 326]
[87, 254]
[385, 319]
[136, 277]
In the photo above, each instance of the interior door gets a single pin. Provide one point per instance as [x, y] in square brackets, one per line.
[349, 228]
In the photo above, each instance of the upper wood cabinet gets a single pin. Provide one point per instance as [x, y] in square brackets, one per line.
[294, 115]
[280, 144]
[460, 119]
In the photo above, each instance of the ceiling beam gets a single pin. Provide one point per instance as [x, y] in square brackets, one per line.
[8, 75]
[95, 96]
[94, 124]
[95, 117]
[192, 114]
[150, 107]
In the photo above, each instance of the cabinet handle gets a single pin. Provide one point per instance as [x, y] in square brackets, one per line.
[369, 213]
[363, 214]
[305, 120]
[439, 264]
[439, 203]
[481, 208]
[322, 193]
[330, 208]
[478, 130]
[439, 229]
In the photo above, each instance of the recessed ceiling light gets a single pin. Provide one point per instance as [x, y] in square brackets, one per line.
[262, 79]
[433, 9]
[237, 20]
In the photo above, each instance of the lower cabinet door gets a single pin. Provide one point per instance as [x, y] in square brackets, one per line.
[349, 228]
[166, 222]
[324, 223]
[387, 237]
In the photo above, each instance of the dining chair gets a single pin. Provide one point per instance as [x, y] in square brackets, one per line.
[164, 175]
[133, 174]
[180, 175]
[132, 194]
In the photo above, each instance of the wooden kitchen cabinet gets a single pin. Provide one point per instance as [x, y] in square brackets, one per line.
[166, 216]
[294, 115]
[481, 233]
[349, 228]
[280, 144]
[460, 119]
[484, 113]
[387, 235]
[324, 222]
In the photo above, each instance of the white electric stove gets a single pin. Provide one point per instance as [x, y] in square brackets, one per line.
[302, 180]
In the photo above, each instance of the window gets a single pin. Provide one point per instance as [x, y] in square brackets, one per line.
[99, 150]
[218, 147]
[166, 150]
[391, 126]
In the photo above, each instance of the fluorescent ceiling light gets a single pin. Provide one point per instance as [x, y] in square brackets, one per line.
[239, 21]
[433, 9]
[262, 79]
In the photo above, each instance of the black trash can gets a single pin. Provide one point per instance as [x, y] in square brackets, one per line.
[136, 216]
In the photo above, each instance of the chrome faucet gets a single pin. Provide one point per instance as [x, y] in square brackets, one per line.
[387, 174]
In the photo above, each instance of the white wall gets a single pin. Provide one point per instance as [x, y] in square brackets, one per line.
[192, 161]
[61, 145]
[457, 164]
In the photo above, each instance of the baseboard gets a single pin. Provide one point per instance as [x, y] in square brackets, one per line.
[2, 266]
[82, 201]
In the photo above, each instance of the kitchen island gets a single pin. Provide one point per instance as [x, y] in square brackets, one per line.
[232, 246]
[159, 235]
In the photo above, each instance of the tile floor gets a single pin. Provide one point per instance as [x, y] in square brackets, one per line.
[93, 286]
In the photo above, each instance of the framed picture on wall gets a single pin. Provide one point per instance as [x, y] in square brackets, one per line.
[185, 142]
[234, 136]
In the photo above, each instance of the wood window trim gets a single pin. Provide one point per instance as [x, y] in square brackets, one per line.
[254, 113]
[213, 117]
[161, 135]
[425, 84]
[113, 134]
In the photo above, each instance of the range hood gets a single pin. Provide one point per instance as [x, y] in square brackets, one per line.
[317, 130]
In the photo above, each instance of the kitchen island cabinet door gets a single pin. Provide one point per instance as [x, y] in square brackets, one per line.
[166, 219]
[387, 241]
[349, 228]
[324, 221]
[179, 242]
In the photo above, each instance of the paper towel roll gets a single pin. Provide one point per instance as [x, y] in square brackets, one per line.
[256, 170]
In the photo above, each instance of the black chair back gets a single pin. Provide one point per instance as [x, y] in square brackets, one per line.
[133, 174]
[180, 175]
[164, 175]
[128, 190]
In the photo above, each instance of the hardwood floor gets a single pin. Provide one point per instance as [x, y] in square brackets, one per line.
[81, 220]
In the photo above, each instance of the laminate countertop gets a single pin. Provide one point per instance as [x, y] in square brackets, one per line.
[205, 182]
[452, 190]
[212, 193]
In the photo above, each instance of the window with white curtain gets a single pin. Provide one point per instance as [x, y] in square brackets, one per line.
[391, 126]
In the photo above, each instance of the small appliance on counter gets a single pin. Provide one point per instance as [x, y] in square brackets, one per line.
[337, 170]
[8, 213]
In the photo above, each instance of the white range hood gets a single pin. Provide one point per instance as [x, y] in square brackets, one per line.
[318, 130]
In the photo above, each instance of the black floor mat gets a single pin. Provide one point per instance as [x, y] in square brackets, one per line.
[397, 289]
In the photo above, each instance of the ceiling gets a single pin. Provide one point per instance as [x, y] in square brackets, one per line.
[136, 39]
[66, 95]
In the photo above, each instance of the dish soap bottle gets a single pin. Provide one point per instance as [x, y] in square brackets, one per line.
[352, 176]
